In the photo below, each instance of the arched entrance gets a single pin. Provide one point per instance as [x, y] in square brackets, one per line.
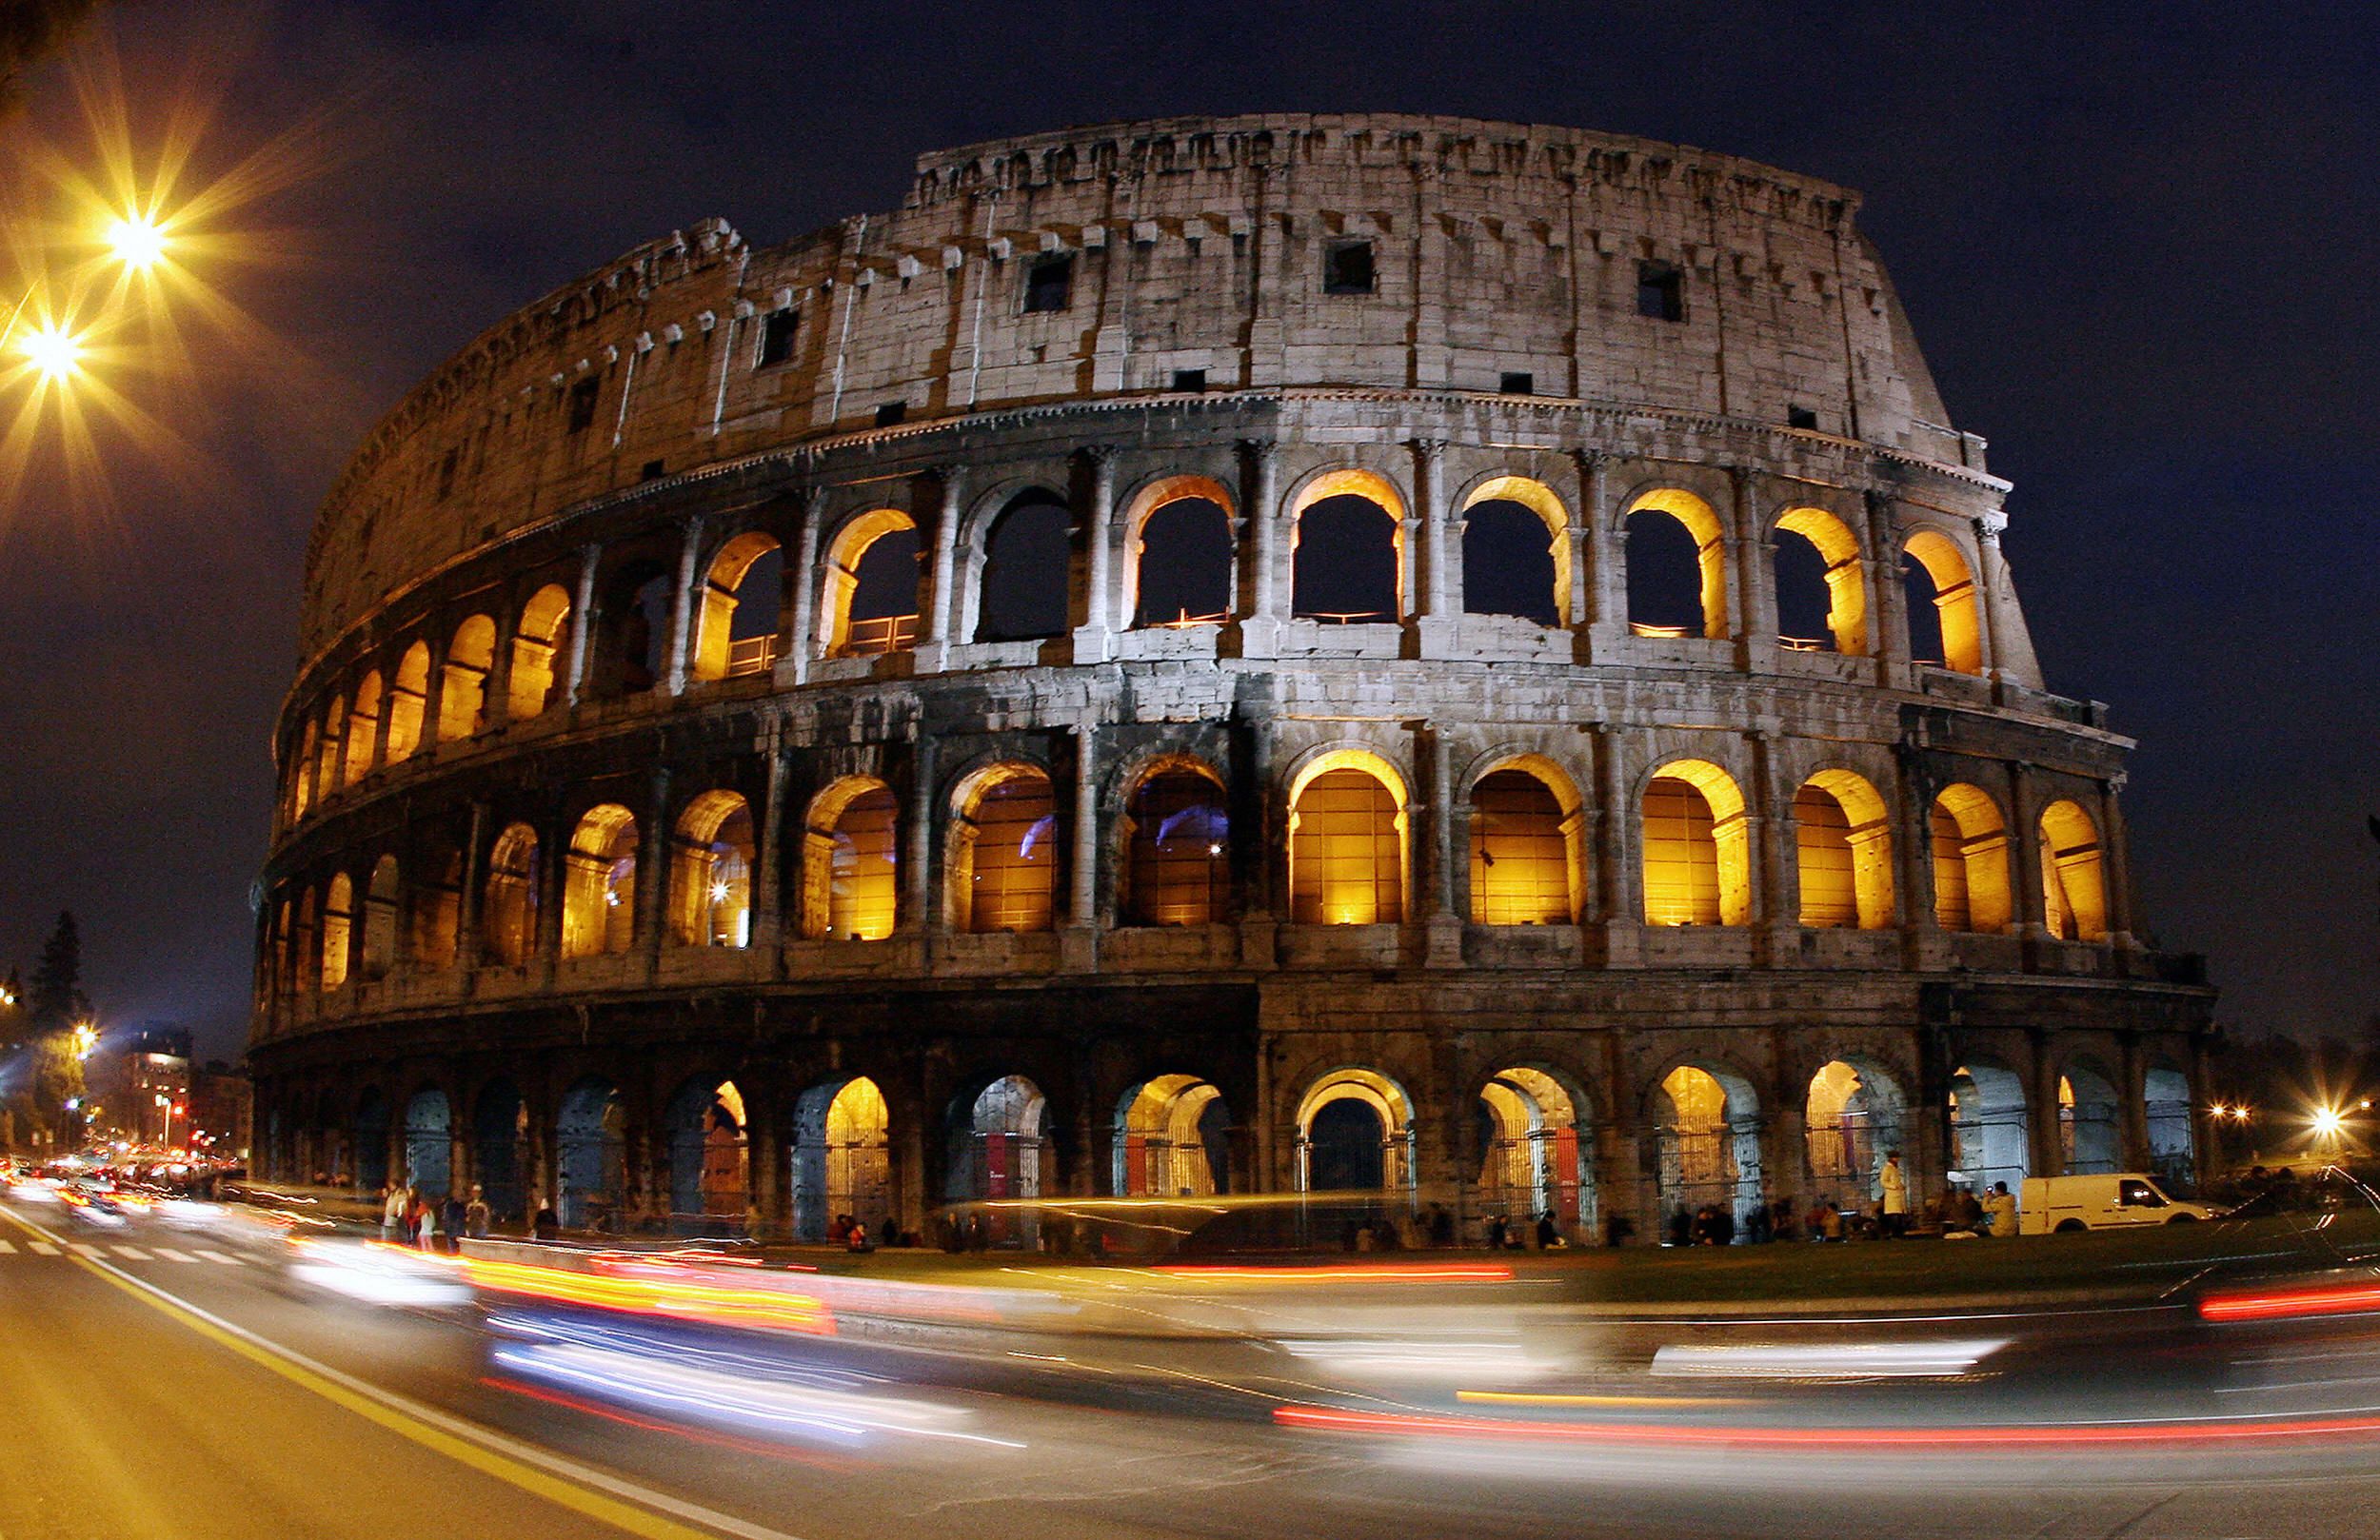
[1709, 1144]
[500, 1151]
[2087, 1121]
[1173, 1139]
[999, 1149]
[707, 1163]
[372, 1140]
[590, 1154]
[1535, 1154]
[1988, 1139]
[1853, 1121]
[2173, 1142]
[842, 1163]
[1354, 1134]
[429, 1144]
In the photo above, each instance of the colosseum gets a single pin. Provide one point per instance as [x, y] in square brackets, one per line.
[1452, 659]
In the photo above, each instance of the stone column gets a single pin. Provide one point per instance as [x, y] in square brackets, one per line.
[652, 865]
[2024, 838]
[378, 758]
[1990, 577]
[937, 612]
[496, 690]
[433, 708]
[683, 602]
[1078, 945]
[1593, 564]
[2131, 1107]
[1756, 590]
[1094, 638]
[1913, 844]
[1444, 921]
[1256, 844]
[467, 942]
[1778, 908]
[768, 884]
[1266, 607]
[800, 647]
[2115, 865]
[768, 1160]
[2042, 1112]
[1888, 606]
[917, 908]
[553, 877]
[1617, 885]
[582, 628]
[1438, 596]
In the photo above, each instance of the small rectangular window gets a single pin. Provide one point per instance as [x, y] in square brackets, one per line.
[1661, 292]
[891, 412]
[777, 337]
[582, 404]
[1801, 416]
[1189, 382]
[1347, 268]
[1049, 282]
[446, 474]
[1515, 383]
[655, 470]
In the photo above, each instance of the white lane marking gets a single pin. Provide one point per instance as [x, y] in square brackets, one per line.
[84, 1247]
[7, 1248]
[218, 1257]
[132, 1253]
[585, 1475]
[45, 1249]
[167, 1253]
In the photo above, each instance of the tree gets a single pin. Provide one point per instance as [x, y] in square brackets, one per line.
[57, 1000]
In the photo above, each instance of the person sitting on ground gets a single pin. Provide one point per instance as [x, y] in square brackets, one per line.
[1830, 1222]
[1496, 1232]
[546, 1228]
[1781, 1219]
[1967, 1210]
[856, 1237]
[1549, 1234]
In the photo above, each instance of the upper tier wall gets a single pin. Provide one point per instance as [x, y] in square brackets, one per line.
[1198, 244]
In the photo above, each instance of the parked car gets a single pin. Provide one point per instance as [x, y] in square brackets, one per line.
[2061, 1205]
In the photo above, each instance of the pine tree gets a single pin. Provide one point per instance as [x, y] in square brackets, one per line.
[57, 1000]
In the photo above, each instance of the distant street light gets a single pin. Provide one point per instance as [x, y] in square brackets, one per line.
[137, 240]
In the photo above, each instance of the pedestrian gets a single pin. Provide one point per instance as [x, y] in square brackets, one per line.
[2001, 1211]
[1681, 1227]
[856, 1237]
[452, 1215]
[475, 1214]
[1895, 1188]
[1756, 1228]
[1781, 1219]
[1722, 1225]
[888, 1233]
[840, 1231]
[546, 1227]
[1496, 1232]
[425, 1235]
[1829, 1223]
[1549, 1235]
[391, 1211]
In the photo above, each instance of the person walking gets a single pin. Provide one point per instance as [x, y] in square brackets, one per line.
[2000, 1210]
[392, 1214]
[1894, 1187]
[450, 1220]
[426, 1236]
[475, 1214]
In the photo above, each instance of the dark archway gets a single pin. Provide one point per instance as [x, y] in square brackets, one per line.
[1508, 562]
[429, 1144]
[590, 1151]
[1346, 570]
[1346, 1147]
[1027, 570]
[500, 1151]
[1184, 566]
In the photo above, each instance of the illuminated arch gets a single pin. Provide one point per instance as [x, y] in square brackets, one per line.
[408, 699]
[2165, 1104]
[363, 728]
[1176, 846]
[328, 745]
[1025, 590]
[841, 1158]
[1698, 852]
[338, 921]
[381, 901]
[1540, 499]
[1348, 826]
[2074, 877]
[1355, 1134]
[1846, 575]
[710, 876]
[841, 632]
[1172, 1139]
[850, 873]
[534, 643]
[599, 883]
[1953, 597]
[1536, 1155]
[463, 695]
[1843, 852]
[1526, 825]
[2088, 1114]
[1701, 524]
[301, 776]
[1709, 1144]
[1970, 844]
[1212, 604]
[1381, 493]
[1990, 1141]
[1852, 1119]
[1001, 850]
[509, 913]
[709, 1157]
[718, 653]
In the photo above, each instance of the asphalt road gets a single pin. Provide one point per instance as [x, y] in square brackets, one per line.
[156, 1383]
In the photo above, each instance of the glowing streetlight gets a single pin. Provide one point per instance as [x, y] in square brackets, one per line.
[53, 350]
[137, 240]
[86, 1040]
[2327, 1121]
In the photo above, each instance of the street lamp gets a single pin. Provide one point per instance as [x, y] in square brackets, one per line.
[137, 240]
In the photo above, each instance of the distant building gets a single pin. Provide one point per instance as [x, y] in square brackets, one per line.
[218, 1103]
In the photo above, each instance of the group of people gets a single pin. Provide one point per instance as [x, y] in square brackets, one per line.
[850, 1232]
[1888, 1217]
[410, 1217]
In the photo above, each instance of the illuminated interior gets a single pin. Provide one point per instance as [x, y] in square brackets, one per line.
[533, 648]
[739, 594]
[327, 746]
[302, 780]
[363, 729]
[1518, 494]
[599, 884]
[408, 700]
[1853, 1120]
[2073, 885]
[1002, 848]
[463, 694]
[1347, 841]
[1971, 886]
[1002, 1149]
[850, 627]
[338, 918]
[304, 947]
[1846, 577]
[1701, 525]
[1989, 1142]
[1178, 850]
[1172, 1139]
[2087, 1142]
[1843, 844]
[709, 1170]
[509, 917]
[380, 897]
[1521, 859]
[1710, 1143]
[1355, 1134]
[710, 879]
[1697, 866]
[840, 1160]
[1533, 1161]
[1954, 595]
[850, 885]
[436, 915]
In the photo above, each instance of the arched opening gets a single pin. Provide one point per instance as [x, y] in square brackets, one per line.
[1944, 625]
[1843, 847]
[1176, 847]
[338, 930]
[1003, 852]
[872, 581]
[435, 908]
[850, 873]
[1028, 559]
[1971, 886]
[429, 1144]
[327, 746]
[1677, 565]
[1524, 823]
[2074, 884]
[1348, 568]
[590, 1157]
[372, 1139]
[1516, 551]
[381, 901]
[1854, 1119]
[2087, 1121]
[363, 729]
[408, 699]
[1697, 859]
[842, 1162]
[1988, 1139]
[304, 953]
[463, 691]
[2173, 1139]
[743, 597]
[710, 1161]
[1709, 1147]
[1173, 1139]
[599, 884]
[999, 1149]
[509, 917]
[535, 643]
[1181, 563]
[1534, 1153]
[1821, 585]
[301, 772]
[1354, 1134]
[710, 878]
[501, 1152]
[1347, 828]
[332, 1153]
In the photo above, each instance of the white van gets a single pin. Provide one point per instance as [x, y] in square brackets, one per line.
[2065, 1204]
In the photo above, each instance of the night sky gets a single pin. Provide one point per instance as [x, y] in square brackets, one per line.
[2141, 249]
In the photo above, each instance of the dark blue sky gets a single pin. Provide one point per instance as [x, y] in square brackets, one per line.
[2138, 244]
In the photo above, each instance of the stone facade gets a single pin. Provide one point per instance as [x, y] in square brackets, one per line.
[532, 571]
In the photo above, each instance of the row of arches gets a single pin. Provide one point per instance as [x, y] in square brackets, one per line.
[1349, 845]
[629, 628]
[1532, 1145]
